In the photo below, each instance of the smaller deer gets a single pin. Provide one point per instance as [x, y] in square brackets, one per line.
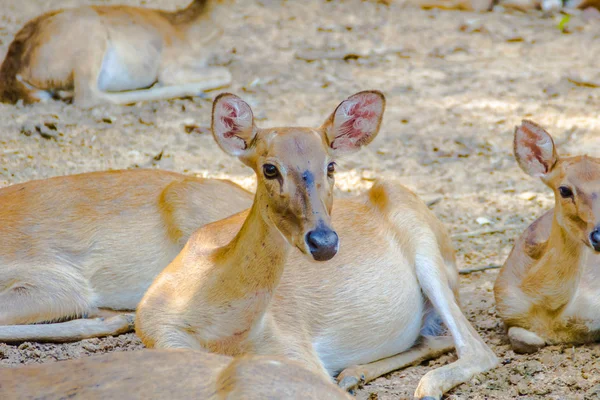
[83, 245]
[548, 290]
[251, 283]
[113, 54]
[163, 374]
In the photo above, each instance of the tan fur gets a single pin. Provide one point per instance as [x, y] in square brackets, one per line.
[112, 54]
[548, 286]
[163, 374]
[240, 287]
[70, 245]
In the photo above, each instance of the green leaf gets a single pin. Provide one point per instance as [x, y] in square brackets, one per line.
[563, 22]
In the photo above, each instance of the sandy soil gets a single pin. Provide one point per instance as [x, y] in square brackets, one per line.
[456, 83]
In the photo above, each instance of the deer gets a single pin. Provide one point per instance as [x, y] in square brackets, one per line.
[120, 55]
[547, 289]
[78, 252]
[357, 294]
[111, 376]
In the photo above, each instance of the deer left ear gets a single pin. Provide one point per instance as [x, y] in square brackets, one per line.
[233, 124]
[355, 122]
[534, 149]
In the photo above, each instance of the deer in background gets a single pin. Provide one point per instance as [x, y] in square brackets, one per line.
[251, 283]
[114, 54]
[548, 290]
[168, 375]
[72, 245]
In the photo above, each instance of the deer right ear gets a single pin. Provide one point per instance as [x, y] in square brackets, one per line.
[534, 149]
[355, 122]
[232, 124]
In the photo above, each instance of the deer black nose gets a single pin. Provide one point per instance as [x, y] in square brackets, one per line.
[595, 239]
[323, 243]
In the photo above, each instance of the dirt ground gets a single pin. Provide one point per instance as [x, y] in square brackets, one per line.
[456, 83]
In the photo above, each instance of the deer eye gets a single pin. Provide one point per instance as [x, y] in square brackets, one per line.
[270, 171]
[331, 169]
[565, 192]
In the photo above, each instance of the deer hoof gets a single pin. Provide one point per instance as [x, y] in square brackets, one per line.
[523, 341]
[348, 383]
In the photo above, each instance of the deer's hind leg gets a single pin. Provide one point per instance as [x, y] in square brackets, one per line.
[39, 295]
[158, 93]
[87, 70]
[175, 83]
[70, 331]
[474, 355]
[429, 348]
[31, 295]
[92, 87]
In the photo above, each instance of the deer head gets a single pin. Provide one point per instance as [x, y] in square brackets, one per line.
[574, 180]
[295, 166]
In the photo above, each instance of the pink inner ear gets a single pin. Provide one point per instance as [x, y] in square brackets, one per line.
[229, 117]
[535, 148]
[232, 118]
[356, 120]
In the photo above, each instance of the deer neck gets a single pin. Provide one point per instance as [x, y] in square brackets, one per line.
[256, 257]
[198, 22]
[560, 268]
[568, 254]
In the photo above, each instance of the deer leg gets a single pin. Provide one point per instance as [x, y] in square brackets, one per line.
[38, 295]
[86, 93]
[165, 92]
[188, 85]
[34, 295]
[70, 331]
[431, 347]
[524, 341]
[106, 313]
[185, 81]
[35, 93]
[474, 355]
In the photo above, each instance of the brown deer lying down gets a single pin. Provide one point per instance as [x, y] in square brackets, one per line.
[73, 244]
[113, 54]
[239, 286]
[549, 288]
[164, 374]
